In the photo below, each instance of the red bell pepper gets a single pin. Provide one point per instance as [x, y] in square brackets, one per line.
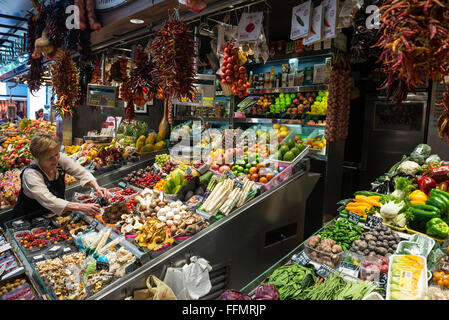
[426, 183]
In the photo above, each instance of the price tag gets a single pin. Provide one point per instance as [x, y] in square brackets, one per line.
[94, 224]
[102, 265]
[382, 283]
[302, 258]
[189, 171]
[38, 258]
[67, 250]
[373, 222]
[75, 217]
[353, 216]
[54, 249]
[123, 185]
[238, 184]
[324, 271]
[230, 175]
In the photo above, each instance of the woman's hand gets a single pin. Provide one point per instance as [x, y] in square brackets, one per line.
[92, 209]
[103, 192]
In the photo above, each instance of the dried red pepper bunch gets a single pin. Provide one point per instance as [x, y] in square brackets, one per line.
[173, 53]
[443, 120]
[119, 70]
[143, 85]
[415, 43]
[65, 77]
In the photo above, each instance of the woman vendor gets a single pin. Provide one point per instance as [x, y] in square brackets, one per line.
[43, 185]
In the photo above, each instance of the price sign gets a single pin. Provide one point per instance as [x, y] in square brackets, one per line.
[102, 265]
[123, 185]
[373, 222]
[238, 184]
[353, 216]
[94, 224]
[38, 258]
[382, 283]
[302, 258]
[324, 271]
[230, 175]
[189, 171]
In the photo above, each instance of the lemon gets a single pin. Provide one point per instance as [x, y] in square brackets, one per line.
[276, 126]
[284, 128]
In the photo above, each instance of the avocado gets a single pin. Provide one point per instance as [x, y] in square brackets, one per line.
[289, 156]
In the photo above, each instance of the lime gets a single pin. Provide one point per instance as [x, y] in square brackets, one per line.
[246, 170]
[248, 165]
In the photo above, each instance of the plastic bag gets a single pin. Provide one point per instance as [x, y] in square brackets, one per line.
[156, 290]
[190, 282]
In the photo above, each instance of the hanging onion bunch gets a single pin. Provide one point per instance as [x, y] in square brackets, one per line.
[173, 52]
[339, 100]
[415, 43]
[143, 85]
[364, 38]
[65, 82]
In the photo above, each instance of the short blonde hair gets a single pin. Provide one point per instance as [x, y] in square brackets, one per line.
[42, 144]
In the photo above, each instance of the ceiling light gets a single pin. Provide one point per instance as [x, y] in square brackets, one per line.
[136, 21]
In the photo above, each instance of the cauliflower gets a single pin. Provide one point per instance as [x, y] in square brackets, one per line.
[409, 167]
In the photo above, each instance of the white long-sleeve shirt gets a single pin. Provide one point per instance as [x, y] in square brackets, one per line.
[34, 186]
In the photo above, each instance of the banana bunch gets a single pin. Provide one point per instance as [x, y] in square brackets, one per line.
[69, 150]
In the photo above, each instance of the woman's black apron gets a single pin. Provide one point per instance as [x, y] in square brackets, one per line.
[26, 205]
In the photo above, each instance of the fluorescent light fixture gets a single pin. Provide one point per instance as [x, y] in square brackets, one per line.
[136, 21]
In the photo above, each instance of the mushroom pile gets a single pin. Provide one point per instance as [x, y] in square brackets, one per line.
[149, 202]
[179, 220]
[129, 223]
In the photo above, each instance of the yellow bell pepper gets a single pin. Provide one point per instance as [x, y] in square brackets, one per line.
[416, 202]
[417, 196]
[368, 200]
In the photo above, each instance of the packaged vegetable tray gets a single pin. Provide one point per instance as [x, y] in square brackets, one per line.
[411, 231]
[407, 277]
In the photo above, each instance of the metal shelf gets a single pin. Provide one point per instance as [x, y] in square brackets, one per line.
[305, 54]
[188, 118]
[271, 121]
[308, 88]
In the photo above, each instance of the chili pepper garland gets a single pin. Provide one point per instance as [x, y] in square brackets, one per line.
[415, 43]
[65, 82]
[36, 24]
[143, 85]
[173, 53]
[443, 120]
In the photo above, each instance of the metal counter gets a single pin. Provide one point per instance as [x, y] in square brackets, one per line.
[240, 246]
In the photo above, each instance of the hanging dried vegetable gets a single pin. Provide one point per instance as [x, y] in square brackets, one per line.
[96, 74]
[415, 43]
[364, 38]
[126, 95]
[339, 100]
[119, 70]
[173, 53]
[143, 85]
[56, 22]
[443, 120]
[65, 82]
[36, 24]
[87, 8]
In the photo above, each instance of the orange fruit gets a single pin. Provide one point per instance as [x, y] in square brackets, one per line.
[261, 165]
[254, 177]
[253, 170]
[269, 176]
[263, 180]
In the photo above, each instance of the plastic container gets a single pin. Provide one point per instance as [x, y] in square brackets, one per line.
[39, 231]
[281, 176]
[406, 275]
[413, 248]
[21, 224]
[424, 240]
[330, 259]
[373, 296]
[18, 235]
[160, 250]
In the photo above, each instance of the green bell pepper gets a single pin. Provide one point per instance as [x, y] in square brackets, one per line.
[436, 201]
[424, 213]
[438, 228]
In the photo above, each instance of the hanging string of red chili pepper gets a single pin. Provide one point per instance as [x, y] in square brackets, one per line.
[415, 43]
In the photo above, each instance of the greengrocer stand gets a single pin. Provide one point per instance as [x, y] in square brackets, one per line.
[267, 228]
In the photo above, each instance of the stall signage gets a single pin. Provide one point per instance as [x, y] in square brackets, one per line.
[102, 5]
[101, 96]
[330, 18]
[373, 222]
[316, 28]
[324, 271]
[250, 25]
[301, 19]
[123, 185]
[353, 216]
[238, 184]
